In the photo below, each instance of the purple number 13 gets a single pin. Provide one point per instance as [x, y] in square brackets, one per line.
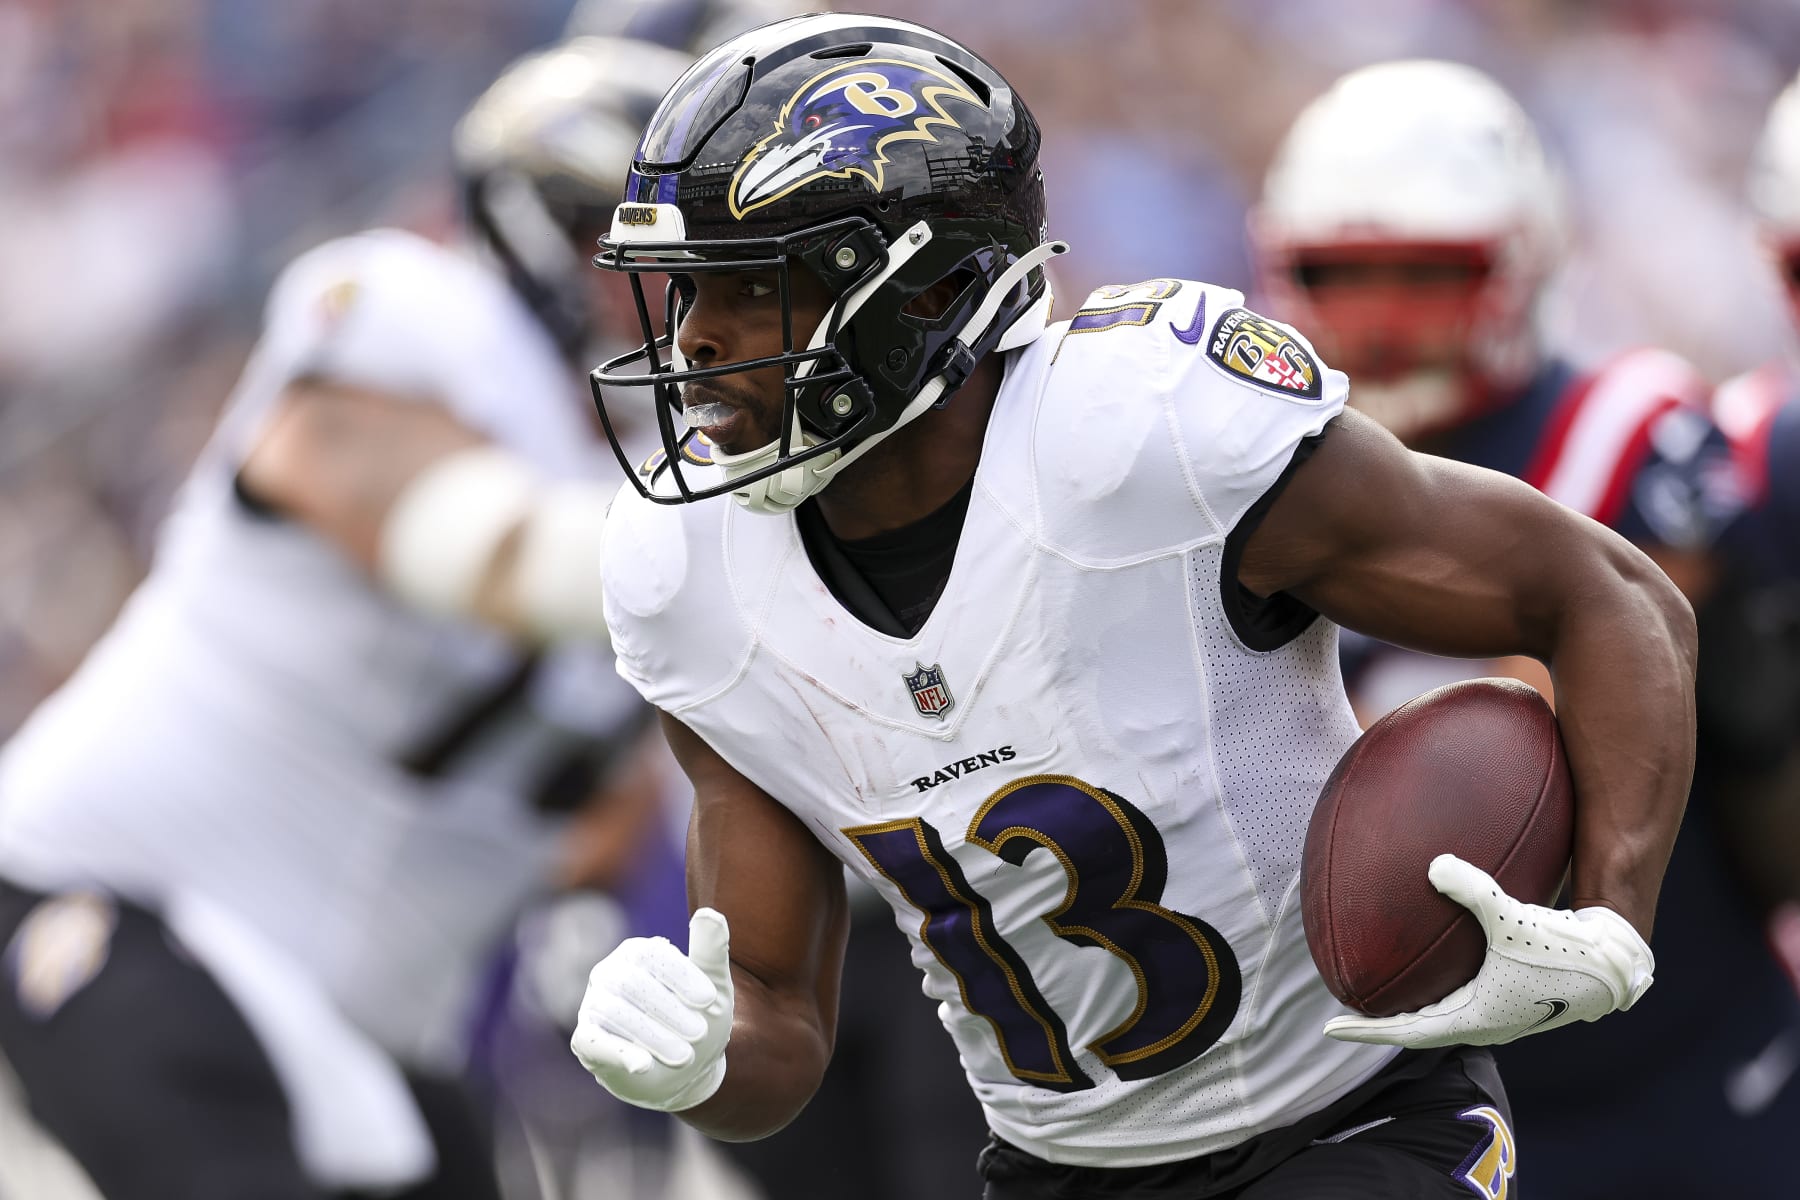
[1188, 983]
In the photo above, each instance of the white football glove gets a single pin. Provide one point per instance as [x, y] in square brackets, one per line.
[1545, 967]
[655, 1021]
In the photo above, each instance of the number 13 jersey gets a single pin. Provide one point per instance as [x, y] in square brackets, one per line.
[1085, 783]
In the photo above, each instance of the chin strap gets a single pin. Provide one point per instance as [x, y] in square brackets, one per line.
[784, 490]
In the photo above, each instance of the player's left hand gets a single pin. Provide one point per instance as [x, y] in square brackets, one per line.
[1545, 967]
[655, 1022]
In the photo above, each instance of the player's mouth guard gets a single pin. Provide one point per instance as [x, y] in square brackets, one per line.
[839, 314]
[785, 490]
[654, 236]
[699, 416]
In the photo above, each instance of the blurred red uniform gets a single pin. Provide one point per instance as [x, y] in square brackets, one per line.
[1412, 220]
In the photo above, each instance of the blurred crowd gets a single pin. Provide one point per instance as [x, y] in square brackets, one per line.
[160, 160]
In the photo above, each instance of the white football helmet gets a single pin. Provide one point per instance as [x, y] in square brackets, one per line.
[1416, 162]
[1775, 188]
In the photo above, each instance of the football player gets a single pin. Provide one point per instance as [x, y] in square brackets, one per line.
[1760, 409]
[1035, 627]
[254, 854]
[1755, 623]
[1412, 220]
[893, 1067]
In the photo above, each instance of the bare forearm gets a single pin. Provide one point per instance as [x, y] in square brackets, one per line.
[773, 1065]
[1623, 663]
[753, 859]
[1456, 560]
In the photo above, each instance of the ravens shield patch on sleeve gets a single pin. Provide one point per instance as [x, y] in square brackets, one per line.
[1264, 352]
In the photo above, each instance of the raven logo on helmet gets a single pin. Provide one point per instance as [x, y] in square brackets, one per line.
[840, 124]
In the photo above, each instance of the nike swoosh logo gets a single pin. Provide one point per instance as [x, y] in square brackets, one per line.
[1192, 333]
[1557, 1008]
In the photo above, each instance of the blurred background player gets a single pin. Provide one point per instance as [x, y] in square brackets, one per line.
[1411, 219]
[254, 854]
[1761, 408]
[1753, 622]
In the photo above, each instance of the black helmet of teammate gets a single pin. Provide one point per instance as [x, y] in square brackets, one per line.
[542, 158]
[884, 159]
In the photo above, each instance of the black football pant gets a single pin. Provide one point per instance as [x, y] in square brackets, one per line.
[148, 1077]
[1434, 1125]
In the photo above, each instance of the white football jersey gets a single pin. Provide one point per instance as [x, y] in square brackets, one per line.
[268, 728]
[1084, 784]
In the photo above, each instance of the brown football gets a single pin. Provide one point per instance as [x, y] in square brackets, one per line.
[1476, 769]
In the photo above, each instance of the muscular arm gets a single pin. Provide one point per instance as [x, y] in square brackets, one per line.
[1454, 560]
[335, 457]
[783, 895]
[1693, 571]
[378, 476]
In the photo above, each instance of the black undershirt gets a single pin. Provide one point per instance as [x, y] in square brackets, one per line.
[891, 581]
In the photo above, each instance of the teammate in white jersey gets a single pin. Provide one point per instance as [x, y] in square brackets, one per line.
[254, 856]
[1034, 628]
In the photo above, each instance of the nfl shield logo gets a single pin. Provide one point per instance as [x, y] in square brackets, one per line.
[931, 695]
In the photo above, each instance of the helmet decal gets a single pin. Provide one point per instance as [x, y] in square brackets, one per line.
[694, 448]
[841, 122]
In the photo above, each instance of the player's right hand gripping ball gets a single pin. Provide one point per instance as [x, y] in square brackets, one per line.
[1545, 967]
[655, 1021]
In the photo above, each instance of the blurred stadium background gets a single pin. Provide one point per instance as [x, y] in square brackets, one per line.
[161, 159]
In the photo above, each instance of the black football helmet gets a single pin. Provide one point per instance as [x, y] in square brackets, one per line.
[542, 156]
[882, 157]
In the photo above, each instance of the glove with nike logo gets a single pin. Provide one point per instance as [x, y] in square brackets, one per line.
[655, 1021]
[1545, 967]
